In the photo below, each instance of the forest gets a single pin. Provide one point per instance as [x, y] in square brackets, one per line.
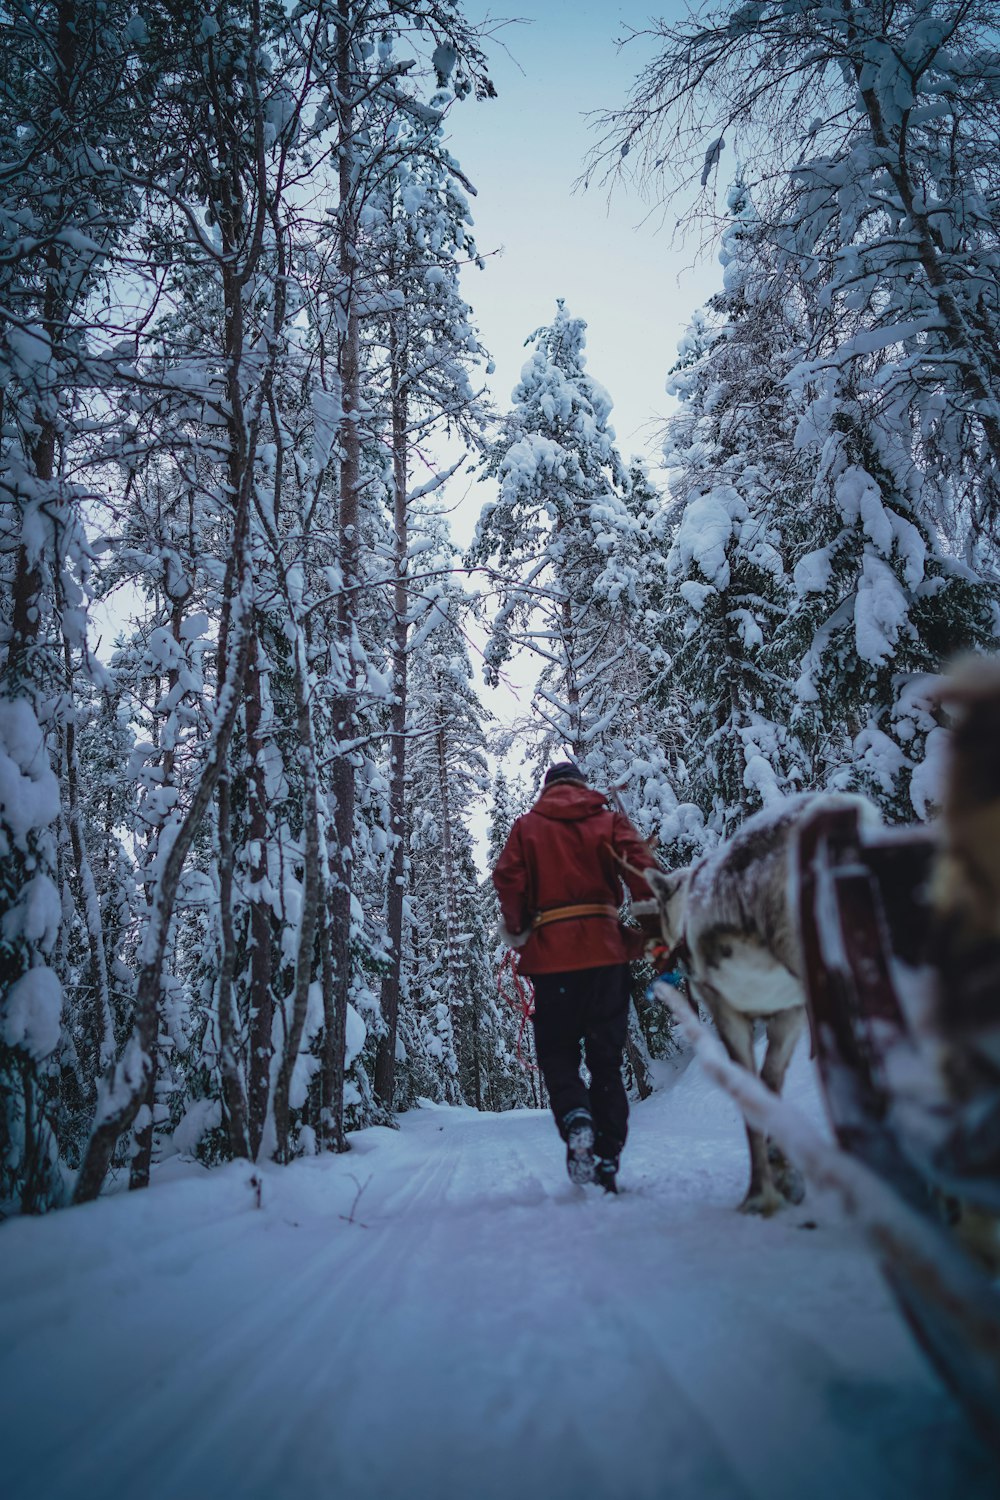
[243, 739]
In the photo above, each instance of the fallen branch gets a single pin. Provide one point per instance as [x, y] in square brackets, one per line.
[349, 1218]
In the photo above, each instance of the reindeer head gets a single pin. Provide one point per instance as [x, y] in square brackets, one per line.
[972, 690]
[670, 889]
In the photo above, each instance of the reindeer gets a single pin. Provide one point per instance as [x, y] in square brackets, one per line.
[732, 919]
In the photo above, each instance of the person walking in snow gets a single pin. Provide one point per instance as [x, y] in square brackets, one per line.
[559, 885]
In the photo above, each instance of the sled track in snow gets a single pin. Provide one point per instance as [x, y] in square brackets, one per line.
[481, 1330]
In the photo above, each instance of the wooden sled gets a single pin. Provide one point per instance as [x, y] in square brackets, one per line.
[905, 1027]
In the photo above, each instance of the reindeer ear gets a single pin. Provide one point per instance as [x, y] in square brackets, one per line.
[663, 883]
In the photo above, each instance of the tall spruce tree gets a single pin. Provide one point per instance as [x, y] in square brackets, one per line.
[876, 137]
[448, 778]
[876, 607]
[420, 222]
[738, 484]
[576, 582]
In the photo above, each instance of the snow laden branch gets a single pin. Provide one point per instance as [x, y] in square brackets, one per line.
[875, 141]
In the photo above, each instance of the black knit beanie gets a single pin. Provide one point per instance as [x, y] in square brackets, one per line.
[564, 770]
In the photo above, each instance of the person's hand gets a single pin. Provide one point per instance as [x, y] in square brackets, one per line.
[513, 939]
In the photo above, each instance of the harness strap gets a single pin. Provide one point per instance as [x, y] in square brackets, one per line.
[566, 913]
[523, 1001]
[670, 966]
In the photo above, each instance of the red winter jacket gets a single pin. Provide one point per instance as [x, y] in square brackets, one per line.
[561, 853]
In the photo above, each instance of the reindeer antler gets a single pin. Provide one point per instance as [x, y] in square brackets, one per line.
[653, 842]
[621, 860]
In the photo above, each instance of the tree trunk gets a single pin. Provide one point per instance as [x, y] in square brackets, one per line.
[26, 615]
[569, 661]
[385, 1059]
[99, 1040]
[25, 620]
[477, 1081]
[141, 1162]
[455, 968]
[229, 1063]
[343, 780]
[636, 1061]
[312, 887]
[331, 1120]
[261, 998]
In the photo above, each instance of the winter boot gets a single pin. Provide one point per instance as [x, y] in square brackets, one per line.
[606, 1173]
[578, 1129]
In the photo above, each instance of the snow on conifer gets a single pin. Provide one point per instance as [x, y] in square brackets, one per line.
[576, 580]
[877, 607]
[736, 480]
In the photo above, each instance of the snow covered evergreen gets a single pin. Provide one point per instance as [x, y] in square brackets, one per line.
[878, 605]
[192, 951]
[242, 753]
[739, 487]
[577, 577]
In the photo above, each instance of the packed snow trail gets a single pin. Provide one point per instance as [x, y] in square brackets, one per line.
[472, 1327]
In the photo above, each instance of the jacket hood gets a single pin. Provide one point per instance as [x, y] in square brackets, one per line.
[569, 801]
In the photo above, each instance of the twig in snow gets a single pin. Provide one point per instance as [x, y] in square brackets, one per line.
[349, 1218]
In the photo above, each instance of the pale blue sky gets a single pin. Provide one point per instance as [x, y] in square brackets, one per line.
[637, 290]
[523, 152]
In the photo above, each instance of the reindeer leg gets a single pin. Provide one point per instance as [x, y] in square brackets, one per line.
[736, 1031]
[783, 1031]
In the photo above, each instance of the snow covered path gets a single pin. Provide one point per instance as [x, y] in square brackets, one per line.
[482, 1329]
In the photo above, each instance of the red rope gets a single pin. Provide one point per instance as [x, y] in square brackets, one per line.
[523, 1000]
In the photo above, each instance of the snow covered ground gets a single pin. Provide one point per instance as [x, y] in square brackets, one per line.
[481, 1329]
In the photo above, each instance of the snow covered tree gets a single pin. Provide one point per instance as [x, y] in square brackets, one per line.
[562, 548]
[875, 147]
[877, 606]
[875, 132]
[554, 461]
[419, 224]
[209, 127]
[816, 593]
[445, 972]
[182, 334]
[64, 208]
[254, 99]
[504, 808]
[738, 483]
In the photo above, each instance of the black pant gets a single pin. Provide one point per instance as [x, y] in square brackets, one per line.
[587, 1007]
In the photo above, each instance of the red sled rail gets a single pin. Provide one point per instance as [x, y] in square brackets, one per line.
[905, 1023]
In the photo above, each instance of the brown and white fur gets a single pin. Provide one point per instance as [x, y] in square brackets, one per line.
[966, 884]
[965, 891]
[735, 914]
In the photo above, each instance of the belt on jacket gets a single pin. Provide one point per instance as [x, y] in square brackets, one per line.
[565, 913]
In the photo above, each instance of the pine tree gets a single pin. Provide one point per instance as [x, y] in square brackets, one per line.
[875, 133]
[560, 543]
[419, 221]
[877, 607]
[737, 484]
[448, 777]
[64, 209]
